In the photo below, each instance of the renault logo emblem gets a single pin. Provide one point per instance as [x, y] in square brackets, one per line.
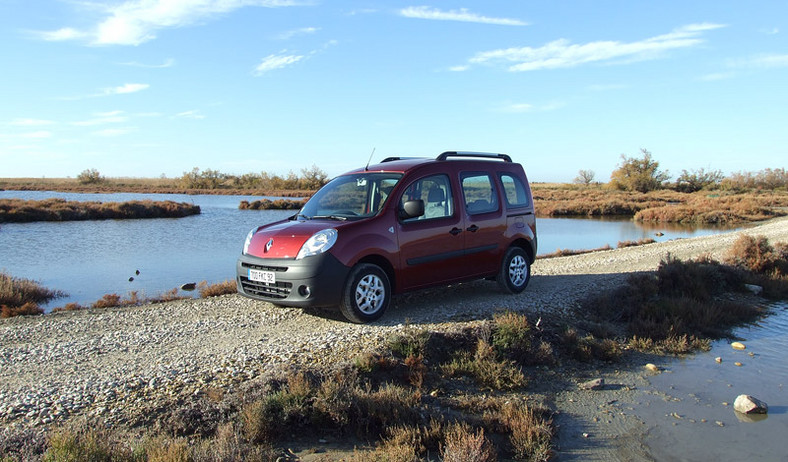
[269, 244]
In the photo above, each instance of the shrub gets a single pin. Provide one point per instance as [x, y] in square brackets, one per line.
[640, 175]
[530, 433]
[756, 254]
[20, 296]
[486, 369]
[464, 445]
[28, 309]
[217, 289]
[90, 176]
[512, 335]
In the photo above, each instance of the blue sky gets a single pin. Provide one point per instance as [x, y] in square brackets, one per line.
[144, 88]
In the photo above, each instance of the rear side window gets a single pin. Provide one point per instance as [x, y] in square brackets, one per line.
[479, 192]
[436, 194]
[514, 191]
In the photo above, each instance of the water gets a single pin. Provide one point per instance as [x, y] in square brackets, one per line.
[88, 259]
[696, 388]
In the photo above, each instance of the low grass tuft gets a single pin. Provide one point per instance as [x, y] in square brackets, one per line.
[486, 368]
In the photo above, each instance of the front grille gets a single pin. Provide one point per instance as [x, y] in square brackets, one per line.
[277, 291]
[278, 269]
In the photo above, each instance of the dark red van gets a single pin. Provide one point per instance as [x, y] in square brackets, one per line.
[401, 225]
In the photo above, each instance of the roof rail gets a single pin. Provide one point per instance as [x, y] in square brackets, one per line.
[487, 155]
[392, 159]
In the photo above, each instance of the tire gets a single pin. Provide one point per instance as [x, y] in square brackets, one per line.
[366, 295]
[515, 271]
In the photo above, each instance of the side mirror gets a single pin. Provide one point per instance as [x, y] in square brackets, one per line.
[412, 209]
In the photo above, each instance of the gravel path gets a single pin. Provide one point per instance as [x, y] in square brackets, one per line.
[106, 361]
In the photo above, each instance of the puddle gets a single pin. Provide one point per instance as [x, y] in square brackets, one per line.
[688, 408]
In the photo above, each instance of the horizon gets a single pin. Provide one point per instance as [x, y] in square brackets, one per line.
[141, 89]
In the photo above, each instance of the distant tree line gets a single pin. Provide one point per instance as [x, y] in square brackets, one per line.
[642, 174]
[310, 179]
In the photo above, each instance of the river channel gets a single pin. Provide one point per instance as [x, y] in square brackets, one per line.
[88, 259]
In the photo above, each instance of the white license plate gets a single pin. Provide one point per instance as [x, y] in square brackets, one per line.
[262, 276]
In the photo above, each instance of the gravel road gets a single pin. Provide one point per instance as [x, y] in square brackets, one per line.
[105, 362]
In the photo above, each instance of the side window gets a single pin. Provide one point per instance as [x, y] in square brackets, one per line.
[435, 191]
[479, 192]
[514, 191]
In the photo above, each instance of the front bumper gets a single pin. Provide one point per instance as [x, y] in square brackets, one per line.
[315, 281]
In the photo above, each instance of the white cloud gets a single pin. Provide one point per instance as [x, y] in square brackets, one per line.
[126, 88]
[463, 15]
[133, 22]
[563, 54]
[113, 132]
[167, 63]
[31, 122]
[296, 32]
[518, 108]
[764, 61]
[113, 117]
[37, 135]
[63, 34]
[193, 114]
[277, 61]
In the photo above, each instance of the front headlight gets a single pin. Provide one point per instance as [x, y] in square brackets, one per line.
[320, 242]
[249, 239]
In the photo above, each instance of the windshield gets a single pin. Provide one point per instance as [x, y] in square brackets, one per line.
[351, 196]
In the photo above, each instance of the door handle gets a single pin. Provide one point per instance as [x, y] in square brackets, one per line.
[455, 231]
[472, 228]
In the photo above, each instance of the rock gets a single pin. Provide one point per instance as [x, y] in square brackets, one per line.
[754, 289]
[595, 384]
[652, 367]
[747, 404]
[189, 286]
[738, 346]
[718, 359]
[737, 363]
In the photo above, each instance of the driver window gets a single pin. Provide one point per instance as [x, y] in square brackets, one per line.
[436, 194]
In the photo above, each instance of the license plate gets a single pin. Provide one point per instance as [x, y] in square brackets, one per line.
[262, 276]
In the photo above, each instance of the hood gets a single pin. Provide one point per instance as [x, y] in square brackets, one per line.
[286, 237]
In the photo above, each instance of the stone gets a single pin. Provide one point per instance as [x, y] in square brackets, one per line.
[754, 289]
[189, 286]
[738, 346]
[595, 384]
[652, 367]
[747, 404]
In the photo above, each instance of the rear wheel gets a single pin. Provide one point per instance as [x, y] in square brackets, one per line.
[515, 271]
[366, 295]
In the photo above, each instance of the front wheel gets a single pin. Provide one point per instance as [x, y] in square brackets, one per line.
[515, 271]
[366, 295]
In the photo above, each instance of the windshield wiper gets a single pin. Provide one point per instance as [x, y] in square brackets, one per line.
[300, 215]
[330, 217]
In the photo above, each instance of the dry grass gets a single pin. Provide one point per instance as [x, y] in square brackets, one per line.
[25, 211]
[220, 288]
[664, 206]
[278, 204]
[20, 297]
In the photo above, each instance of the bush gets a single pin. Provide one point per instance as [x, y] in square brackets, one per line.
[20, 296]
[90, 176]
[757, 255]
[641, 174]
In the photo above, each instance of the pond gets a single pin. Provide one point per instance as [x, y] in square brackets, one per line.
[87, 259]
